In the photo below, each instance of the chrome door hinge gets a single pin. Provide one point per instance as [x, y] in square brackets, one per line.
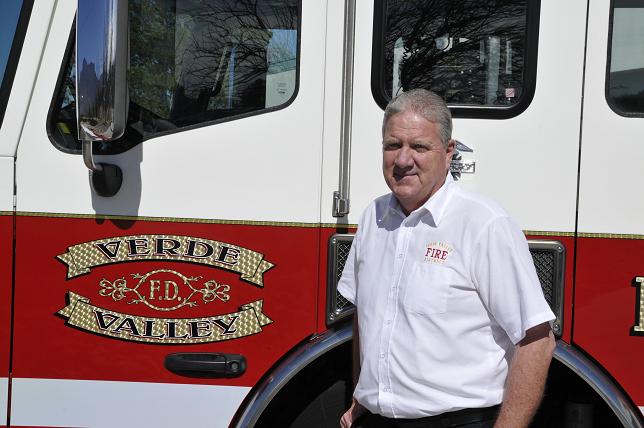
[340, 205]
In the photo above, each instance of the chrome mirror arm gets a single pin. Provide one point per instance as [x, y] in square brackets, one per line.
[88, 157]
[105, 178]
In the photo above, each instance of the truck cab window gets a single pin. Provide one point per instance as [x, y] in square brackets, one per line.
[625, 82]
[193, 63]
[479, 55]
[12, 32]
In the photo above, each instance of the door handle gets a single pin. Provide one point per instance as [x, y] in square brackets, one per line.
[209, 365]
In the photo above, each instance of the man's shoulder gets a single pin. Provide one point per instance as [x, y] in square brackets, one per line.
[382, 202]
[475, 205]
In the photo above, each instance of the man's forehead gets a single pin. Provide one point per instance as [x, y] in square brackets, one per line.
[410, 116]
[411, 124]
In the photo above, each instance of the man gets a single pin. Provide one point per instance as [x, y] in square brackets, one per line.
[451, 320]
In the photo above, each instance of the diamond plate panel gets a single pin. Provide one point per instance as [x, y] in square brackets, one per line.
[544, 262]
[343, 248]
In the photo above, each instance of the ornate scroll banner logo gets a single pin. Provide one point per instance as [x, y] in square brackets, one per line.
[164, 290]
[249, 264]
[248, 320]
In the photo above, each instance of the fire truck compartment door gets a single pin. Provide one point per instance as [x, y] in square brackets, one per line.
[609, 304]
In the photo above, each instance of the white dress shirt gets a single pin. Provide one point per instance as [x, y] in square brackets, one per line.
[443, 295]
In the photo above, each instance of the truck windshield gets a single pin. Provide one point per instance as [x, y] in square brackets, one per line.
[9, 16]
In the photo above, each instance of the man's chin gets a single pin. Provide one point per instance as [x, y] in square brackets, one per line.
[405, 197]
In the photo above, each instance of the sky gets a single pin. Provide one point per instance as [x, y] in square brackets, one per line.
[9, 12]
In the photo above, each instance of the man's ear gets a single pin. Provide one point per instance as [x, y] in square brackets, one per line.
[451, 147]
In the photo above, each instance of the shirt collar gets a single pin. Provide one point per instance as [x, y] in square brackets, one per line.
[435, 205]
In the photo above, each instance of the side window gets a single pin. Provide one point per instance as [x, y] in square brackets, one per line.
[480, 56]
[192, 63]
[625, 81]
[14, 15]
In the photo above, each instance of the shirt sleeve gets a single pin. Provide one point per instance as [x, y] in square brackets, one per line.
[347, 286]
[506, 279]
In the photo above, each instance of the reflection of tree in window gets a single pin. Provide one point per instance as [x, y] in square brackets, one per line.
[151, 54]
[470, 52]
[201, 60]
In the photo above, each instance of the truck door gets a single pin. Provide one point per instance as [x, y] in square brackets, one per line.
[13, 25]
[210, 245]
[515, 95]
[609, 316]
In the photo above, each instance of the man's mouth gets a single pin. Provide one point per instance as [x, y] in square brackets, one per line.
[398, 176]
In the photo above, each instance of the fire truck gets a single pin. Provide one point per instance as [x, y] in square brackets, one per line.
[180, 181]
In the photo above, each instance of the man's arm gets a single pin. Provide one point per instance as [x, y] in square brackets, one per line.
[527, 377]
[356, 409]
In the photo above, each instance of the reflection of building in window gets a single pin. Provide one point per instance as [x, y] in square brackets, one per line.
[626, 80]
[399, 50]
[281, 55]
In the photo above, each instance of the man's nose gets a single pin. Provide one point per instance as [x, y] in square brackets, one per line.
[404, 157]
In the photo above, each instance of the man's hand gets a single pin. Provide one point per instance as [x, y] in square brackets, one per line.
[352, 414]
[527, 377]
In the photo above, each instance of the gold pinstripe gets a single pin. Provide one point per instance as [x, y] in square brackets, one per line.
[610, 235]
[544, 233]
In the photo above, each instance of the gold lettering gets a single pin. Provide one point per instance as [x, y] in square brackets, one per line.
[155, 285]
[167, 290]
[228, 255]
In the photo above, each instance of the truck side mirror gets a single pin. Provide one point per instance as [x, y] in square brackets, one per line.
[101, 83]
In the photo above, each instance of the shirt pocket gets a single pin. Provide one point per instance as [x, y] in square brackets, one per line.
[428, 287]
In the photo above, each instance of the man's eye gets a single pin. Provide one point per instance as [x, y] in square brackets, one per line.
[391, 146]
[420, 148]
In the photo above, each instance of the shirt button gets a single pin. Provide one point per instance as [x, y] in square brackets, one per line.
[382, 355]
[386, 389]
[388, 322]
[400, 256]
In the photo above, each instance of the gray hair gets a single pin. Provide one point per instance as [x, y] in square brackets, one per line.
[425, 103]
